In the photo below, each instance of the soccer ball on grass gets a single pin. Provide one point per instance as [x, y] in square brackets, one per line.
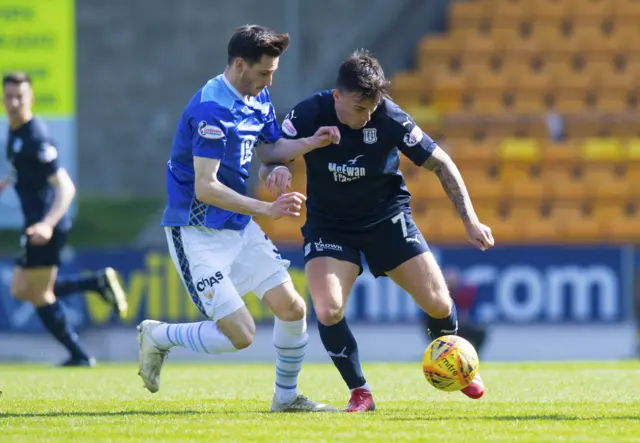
[450, 363]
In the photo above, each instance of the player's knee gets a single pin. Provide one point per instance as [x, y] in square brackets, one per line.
[295, 311]
[441, 304]
[329, 313]
[19, 291]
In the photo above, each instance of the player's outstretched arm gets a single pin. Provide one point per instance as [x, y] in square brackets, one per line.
[444, 167]
[286, 150]
[210, 191]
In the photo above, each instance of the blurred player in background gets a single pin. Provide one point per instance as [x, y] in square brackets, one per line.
[220, 253]
[358, 203]
[46, 191]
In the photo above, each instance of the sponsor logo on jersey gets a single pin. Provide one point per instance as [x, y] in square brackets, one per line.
[414, 137]
[370, 135]
[208, 282]
[348, 171]
[209, 131]
[288, 128]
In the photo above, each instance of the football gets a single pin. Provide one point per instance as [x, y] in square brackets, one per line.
[450, 363]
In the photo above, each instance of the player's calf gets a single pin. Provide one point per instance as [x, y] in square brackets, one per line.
[34, 285]
[239, 328]
[422, 278]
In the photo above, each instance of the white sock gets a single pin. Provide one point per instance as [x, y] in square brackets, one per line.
[290, 340]
[203, 337]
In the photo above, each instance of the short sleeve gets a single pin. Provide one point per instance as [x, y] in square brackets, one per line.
[300, 121]
[47, 157]
[271, 131]
[209, 136]
[409, 138]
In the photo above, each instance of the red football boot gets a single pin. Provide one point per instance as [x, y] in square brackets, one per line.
[476, 389]
[361, 401]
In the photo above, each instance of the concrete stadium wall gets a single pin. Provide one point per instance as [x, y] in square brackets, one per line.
[140, 62]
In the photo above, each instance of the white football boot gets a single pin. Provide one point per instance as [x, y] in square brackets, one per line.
[151, 356]
[300, 403]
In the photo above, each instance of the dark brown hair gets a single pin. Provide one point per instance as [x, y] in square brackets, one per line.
[15, 78]
[251, 42]
[362, 74]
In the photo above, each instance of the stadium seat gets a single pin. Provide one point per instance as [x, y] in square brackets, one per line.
[602, 149]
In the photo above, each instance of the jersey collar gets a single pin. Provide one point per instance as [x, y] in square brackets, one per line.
[235, 91]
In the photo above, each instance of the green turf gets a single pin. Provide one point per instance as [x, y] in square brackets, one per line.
[577, 402]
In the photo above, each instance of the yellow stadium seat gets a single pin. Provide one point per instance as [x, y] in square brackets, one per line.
[560, 155]
[426, 185]
[620, 221]
[545, 10]
[480, 185]
[574, 223]
[602, 149]
[467, 14]
[532, 225]
[409, 87]
[604, 181]
[561, 183]
[591, 11]
[626, 11]
[520, 149]
[507, 10]
[633, 149]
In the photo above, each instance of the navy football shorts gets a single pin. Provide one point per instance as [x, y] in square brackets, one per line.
[40, 256]
[385, 246]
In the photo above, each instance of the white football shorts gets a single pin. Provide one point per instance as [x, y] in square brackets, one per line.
[219, 267]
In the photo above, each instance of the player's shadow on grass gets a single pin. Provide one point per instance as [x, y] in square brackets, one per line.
[541, 417]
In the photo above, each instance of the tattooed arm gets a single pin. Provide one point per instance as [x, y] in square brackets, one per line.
[443, 166]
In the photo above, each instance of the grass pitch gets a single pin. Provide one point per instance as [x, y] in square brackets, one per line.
[556, 402]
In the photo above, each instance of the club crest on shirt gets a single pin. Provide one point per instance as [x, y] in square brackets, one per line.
[370, 135]
[17, 145]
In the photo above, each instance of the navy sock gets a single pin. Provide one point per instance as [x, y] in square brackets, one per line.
[444, 326]
[54, 319]
[77, 283]
[342, 348]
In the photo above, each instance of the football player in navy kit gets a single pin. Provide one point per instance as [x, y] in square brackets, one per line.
[46, 191]
[357, 202]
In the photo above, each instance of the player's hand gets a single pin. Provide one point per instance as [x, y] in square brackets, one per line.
[286, 205]
[39, 233]
[279, 180]
[325, 136]
[479, 235]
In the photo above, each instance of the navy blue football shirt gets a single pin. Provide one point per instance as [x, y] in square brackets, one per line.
[357, 184]
[34, 160]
